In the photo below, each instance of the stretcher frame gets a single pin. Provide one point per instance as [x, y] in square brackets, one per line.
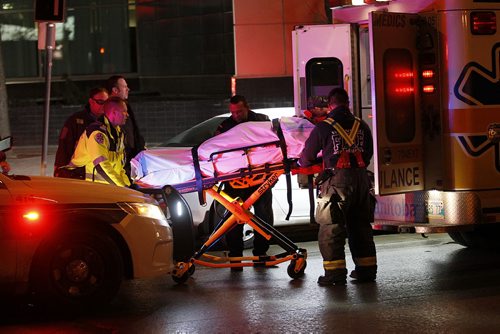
[238, 212]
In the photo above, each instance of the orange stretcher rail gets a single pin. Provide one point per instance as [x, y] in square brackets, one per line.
[238, 212]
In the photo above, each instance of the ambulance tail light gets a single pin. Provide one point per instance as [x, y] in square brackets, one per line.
[483, 23]
[428, 86]
[428, 74]
[399, 95]
[428, 89]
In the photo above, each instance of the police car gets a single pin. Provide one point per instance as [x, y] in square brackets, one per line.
[71, 243]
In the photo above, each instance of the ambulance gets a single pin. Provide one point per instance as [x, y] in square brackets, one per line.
[425, 76]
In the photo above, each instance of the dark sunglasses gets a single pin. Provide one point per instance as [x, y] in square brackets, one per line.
[100, 102]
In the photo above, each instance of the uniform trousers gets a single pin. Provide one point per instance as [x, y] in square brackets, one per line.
[345, 210]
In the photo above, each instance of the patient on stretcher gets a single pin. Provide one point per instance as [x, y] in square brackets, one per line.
[247, 145]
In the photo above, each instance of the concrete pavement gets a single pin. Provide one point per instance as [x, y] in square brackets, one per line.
[27, 160]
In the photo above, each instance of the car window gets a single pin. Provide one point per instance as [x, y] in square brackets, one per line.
[195, 135]
[206, 129]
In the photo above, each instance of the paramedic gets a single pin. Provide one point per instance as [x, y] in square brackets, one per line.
[240, 113]
[74, 127]
[134, 141]
[345, 203]
[101, 147]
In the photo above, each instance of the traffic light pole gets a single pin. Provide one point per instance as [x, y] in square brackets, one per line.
[49, 49]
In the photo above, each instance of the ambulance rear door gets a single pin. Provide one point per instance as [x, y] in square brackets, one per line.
[323, 58]
[398, 153]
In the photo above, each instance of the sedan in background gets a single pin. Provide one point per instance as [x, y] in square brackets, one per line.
[205, 217]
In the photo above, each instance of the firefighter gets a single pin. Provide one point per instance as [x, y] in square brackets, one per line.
[345, 203]
[101, 149]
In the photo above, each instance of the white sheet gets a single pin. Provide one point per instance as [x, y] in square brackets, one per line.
[157, 167]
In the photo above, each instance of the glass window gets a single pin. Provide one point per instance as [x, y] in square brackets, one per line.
[88, 42]
[19, 40]
[323, 74]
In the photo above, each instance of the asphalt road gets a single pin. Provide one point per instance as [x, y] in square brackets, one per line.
[425, 285]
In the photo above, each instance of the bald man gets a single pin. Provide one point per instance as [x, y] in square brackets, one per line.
[101, 147]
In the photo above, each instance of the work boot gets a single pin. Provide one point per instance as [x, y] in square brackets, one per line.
[233, 255]
[261, 262]
[236, 269]
[333, 277]
[362, 276]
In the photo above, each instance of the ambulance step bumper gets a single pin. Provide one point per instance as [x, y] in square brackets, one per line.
[409, 227]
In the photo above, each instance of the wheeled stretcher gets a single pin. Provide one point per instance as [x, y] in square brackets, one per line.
[257, 153]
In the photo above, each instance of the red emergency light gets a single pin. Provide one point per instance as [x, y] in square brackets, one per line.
[31, 216]
[428, 74]
[428, 89]
[483, 23]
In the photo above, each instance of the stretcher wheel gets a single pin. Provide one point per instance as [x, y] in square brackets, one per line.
[191, 269]
[181, 279]
[294, 272]
[186, 272]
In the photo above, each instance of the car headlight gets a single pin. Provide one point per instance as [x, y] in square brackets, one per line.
[143, 209]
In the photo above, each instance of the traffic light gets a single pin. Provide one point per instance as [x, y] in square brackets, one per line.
[50, 10]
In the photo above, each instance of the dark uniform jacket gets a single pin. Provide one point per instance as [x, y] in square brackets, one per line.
[229, 122]
[134, 141]
[70, 133]
[325, 137]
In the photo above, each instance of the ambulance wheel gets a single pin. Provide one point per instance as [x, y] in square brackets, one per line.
[483, 236]
[291, 270]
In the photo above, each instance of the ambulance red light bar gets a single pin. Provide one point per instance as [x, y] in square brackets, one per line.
[403, 75]
[341, 3]
[483, 23]
[403, 90]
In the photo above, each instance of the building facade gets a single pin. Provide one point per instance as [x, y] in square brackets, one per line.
[180, 58]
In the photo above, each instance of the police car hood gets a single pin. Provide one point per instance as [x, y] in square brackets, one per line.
[63, 190]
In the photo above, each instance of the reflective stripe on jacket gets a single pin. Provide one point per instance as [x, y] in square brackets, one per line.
[101, 150]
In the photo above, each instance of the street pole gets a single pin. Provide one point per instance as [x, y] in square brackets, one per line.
[49, 49]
